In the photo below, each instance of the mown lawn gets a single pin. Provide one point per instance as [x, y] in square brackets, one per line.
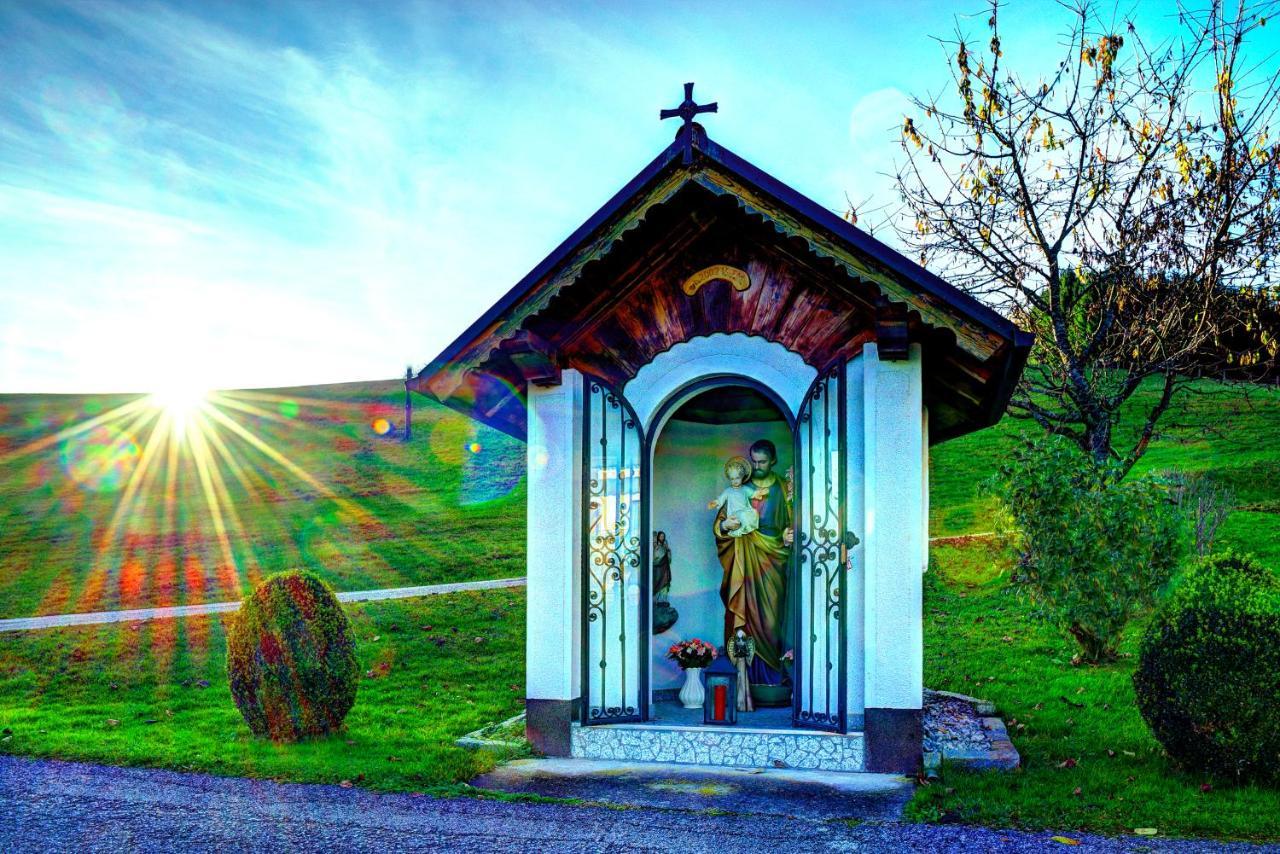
[320, 489]
[1232, 439]
[1088, 760]
[450, 506]
[156, 694]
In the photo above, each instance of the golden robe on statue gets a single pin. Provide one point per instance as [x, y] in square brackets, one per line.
[754, 586]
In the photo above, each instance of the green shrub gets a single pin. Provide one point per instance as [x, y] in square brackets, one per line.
[1092, 548]
[291, 658]
[1208, 677]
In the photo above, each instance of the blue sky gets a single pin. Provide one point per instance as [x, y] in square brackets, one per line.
[232, 196]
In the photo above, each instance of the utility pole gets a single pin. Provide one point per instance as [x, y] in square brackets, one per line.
[408, 403]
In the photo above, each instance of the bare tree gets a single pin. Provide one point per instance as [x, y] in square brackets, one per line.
[1204, 503]
[1118, 208]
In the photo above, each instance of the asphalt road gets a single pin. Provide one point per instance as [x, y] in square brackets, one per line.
[65, 806]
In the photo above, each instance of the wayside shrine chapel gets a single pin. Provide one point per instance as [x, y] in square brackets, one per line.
[728, 394]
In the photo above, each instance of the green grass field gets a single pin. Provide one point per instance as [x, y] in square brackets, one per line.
[1088, 760]
[306, 481]
[1234, 440]
[449, 506]
[156, 693]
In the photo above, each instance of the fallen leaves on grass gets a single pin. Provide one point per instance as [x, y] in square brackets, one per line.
[1068, 763]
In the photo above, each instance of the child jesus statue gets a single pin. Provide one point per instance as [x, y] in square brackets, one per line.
[736, 499]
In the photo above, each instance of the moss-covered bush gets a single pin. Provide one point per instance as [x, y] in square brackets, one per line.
[291, 658]
[1208, 677]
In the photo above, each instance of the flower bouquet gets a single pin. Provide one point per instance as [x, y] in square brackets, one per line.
[692, 654]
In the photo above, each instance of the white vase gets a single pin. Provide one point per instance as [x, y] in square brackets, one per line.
[692, 694]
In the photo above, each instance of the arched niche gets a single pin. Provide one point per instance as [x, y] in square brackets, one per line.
[674, 372]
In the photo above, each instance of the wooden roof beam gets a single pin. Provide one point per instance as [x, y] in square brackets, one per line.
[892, 330]
[533, 357]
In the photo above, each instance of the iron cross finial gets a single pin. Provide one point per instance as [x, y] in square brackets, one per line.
[688, 109]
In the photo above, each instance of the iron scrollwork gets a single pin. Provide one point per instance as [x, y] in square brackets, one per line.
[821, 553]
[613, 554]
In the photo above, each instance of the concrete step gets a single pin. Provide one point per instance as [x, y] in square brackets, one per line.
[813, 795]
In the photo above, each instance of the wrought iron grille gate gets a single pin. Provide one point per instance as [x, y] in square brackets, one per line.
[819, 556]
[615, 604]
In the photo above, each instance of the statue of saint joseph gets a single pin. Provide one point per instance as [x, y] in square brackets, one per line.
[754, 587]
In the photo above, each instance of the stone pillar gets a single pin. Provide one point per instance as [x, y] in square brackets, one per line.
[893, 558]
[924, 476]
[855, 467]
[553, 645]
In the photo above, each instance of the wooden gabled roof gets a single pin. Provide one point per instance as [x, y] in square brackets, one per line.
[608, 299]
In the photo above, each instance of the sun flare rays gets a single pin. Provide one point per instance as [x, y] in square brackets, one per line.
[111, 503]
[175, 465]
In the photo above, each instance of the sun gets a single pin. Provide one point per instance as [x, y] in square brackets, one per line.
[180, 404]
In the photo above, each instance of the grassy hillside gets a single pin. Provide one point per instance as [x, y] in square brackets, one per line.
[292, 478]
[1232, 439]
[1089, 761]
[303, 478]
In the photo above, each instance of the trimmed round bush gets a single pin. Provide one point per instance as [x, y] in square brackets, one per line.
[291, 658]
[1208, 677]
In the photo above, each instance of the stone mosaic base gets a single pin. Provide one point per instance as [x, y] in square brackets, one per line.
[719, 746]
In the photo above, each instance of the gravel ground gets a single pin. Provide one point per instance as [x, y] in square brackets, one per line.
[952, 724]
[49, 805]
